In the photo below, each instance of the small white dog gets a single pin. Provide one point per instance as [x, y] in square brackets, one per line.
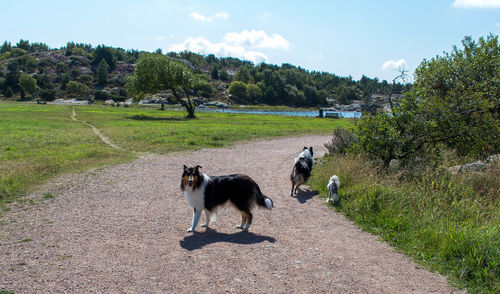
[333, 188]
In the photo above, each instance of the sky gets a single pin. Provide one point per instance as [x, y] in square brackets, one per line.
[374, 38]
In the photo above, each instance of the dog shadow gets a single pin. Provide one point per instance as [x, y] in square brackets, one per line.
[199, 240]
[303, 196]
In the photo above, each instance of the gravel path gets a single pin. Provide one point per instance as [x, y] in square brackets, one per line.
[123, 229]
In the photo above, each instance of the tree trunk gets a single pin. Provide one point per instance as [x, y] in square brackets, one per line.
[189, 106]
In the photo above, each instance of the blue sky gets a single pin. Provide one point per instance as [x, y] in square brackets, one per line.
[373, 38]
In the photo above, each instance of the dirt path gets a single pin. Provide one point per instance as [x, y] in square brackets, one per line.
[123, 229]
[96, 131]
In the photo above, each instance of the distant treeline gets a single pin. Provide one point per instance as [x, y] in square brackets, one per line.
[77, 70]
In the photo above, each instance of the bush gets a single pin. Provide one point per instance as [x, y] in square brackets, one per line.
[48, 94]
[102, 95]
[342, 141]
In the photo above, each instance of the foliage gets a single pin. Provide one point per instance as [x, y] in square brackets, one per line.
[102, 72]
[448, 223]
[266, 84]
[461, 95]
[239, 91]
[27, 84]
[78, 89]
[156, 72]
[342, 142]
[453, 102]
[102, 52]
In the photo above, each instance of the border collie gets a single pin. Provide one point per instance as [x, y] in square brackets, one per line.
[333, 188]
[301, 169]
[206, 193]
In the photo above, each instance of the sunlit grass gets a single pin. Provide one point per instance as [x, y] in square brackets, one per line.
[39, 142]
[449, 223]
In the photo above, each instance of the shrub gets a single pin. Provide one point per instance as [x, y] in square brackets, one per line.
[48, 94]
[102, 95]
[342, 141]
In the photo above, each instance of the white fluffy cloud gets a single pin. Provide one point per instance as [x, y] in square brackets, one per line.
[202, 18]
[257, 39]
[244, 45]
[204, 46]
[395, 64]
[476, 3]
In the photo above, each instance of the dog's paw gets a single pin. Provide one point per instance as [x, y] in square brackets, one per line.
[204, 225]
[238, 227]
[190, 230]
[327, 200]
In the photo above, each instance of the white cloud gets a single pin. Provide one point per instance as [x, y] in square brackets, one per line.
[476, 4]
[395, 64]
[159, 38]
[257, 39]
[202, 18]
[204, 46]
[246, 45]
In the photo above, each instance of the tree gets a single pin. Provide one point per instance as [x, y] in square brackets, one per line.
[239, 91]
[27, 84]
[107, 53]
[461, 95]
[155, 72]
[102, 72]
[454, 101]
[78, 89]
[254, 93]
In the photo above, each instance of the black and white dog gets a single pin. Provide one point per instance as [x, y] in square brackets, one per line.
[205, 193]
[333, 189]
[301, 169]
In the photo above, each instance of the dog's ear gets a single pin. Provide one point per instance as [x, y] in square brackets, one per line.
[304, 148]
[198, 167]
[185, 167]
[311, 149]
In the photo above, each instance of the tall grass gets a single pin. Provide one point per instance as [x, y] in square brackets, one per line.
[449, 223]
[39, 142]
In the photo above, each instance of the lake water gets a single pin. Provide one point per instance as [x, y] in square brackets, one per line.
[344, 114]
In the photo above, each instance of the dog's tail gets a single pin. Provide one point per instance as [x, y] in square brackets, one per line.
[263, 201]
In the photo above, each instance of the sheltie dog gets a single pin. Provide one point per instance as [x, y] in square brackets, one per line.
[206, 193]
[333, 189]
[302, 168]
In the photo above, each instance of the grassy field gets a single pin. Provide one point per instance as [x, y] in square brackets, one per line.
[39, 142]
[449, 223]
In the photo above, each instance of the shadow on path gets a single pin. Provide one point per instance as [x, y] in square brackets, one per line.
[198, 240]
[303, 196]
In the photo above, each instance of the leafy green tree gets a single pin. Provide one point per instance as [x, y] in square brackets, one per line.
[454, 101]
[27, 84]
[254, 93]
[155, 72]
[461, 94]
[215, 72]
[224, 76]
[107, 53]
[239, 91]
[6, 47]
[102, 72]
[243, 75]
[23, 44]
[78, 89]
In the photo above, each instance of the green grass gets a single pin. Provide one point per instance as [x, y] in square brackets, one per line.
[449, 223]
[40, 142]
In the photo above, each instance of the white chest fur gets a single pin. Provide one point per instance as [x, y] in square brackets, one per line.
[196, 198]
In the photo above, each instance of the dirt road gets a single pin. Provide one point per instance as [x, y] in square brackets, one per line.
[123, 229]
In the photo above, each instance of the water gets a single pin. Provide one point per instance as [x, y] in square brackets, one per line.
[343, 114]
